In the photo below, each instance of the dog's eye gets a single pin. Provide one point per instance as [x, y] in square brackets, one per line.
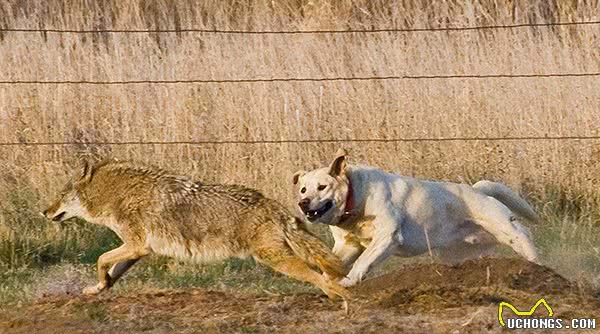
[321, 187]
[303, 190]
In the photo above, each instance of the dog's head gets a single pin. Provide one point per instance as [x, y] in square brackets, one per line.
[322, 192]
[68, 204]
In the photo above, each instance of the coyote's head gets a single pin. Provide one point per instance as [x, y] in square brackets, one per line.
[68, 203]
[322, 192]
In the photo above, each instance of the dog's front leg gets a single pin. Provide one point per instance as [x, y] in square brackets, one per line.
[347, 252]
[378, 250]
[344, 248]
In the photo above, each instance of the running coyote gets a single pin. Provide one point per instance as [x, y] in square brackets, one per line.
[152, 210]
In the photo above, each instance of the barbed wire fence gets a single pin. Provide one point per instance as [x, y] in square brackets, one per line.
[303, 141]
[267, 80]
[289, 32]
[306, 79]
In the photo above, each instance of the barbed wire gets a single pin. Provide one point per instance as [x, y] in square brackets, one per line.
[302, 141]
[289, 32]
[266, 80]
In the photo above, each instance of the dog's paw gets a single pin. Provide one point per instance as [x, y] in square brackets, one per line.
[347, 282]
[94, 289]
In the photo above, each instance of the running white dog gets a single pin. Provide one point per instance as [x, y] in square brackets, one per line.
[373, 214]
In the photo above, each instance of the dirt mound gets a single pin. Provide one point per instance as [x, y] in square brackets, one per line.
[435, 287]
[416, 299]
[510, 273]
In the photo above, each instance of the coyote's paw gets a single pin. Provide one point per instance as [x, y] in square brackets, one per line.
[334, 290]
[94, 289]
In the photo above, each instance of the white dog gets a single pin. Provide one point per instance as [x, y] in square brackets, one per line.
[373, 214]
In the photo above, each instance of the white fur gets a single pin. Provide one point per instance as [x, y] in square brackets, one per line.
[405, 216]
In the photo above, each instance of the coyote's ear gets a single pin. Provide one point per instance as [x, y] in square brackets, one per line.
[338, 166]
[86, 171]
[297, 176]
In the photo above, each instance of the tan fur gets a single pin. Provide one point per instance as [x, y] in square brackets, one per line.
[154, 211]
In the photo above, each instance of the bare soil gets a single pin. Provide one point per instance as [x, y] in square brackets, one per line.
[424, 298]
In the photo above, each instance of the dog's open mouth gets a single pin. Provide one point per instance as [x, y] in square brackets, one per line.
[59, 217]
[313, 215]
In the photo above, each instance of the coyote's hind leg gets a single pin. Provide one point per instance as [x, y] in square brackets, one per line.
[118, 269]
[284, 261]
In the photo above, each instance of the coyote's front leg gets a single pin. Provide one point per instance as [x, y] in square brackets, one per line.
[125, 253]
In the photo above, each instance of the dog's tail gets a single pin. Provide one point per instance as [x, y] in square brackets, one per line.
[312, 250]
[507, 197]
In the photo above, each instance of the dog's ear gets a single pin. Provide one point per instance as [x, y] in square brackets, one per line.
[338, 166]
[297, 176]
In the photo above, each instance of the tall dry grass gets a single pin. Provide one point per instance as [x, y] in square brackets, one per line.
[561, 177]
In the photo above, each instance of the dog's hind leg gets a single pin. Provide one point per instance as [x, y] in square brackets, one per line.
[496, 219]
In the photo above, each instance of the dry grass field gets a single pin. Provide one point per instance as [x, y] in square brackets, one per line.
[560, 177]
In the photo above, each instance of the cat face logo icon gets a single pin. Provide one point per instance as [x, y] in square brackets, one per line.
[501, 306]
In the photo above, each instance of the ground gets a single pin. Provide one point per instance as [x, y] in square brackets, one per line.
[418, 298]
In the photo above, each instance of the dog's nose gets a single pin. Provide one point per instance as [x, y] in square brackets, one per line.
[304, 203]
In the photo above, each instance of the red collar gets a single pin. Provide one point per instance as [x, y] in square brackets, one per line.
[349, 208]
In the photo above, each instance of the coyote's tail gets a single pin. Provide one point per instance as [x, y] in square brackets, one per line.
[507, 197]
[312, 250]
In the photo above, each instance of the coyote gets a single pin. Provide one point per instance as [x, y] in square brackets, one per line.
[153, 211]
